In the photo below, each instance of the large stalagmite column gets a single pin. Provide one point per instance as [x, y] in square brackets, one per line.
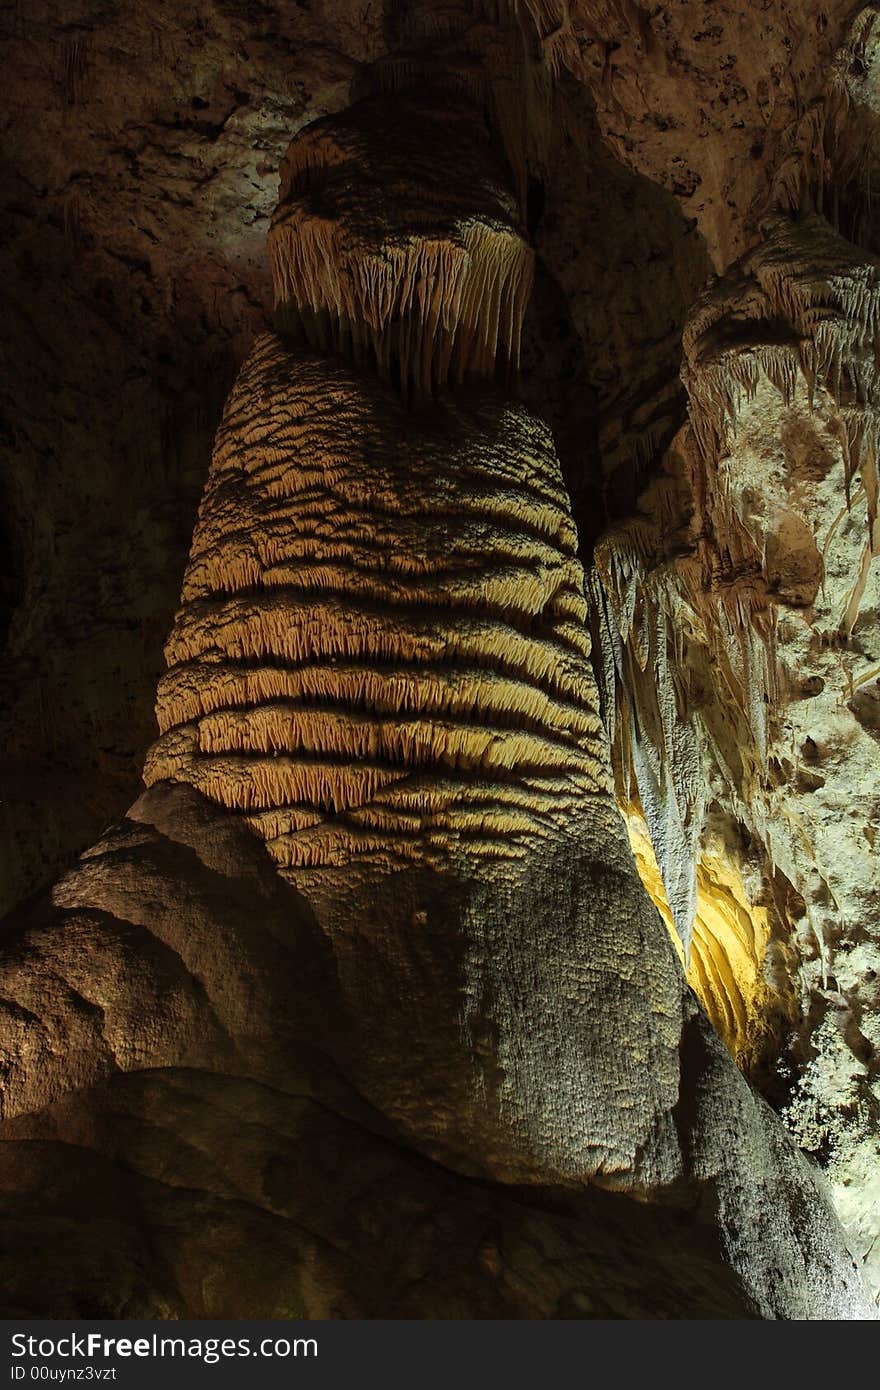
[382, 664]
[378, 902]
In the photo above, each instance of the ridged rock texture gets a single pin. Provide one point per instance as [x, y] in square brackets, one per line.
[382, 653]
[749, 584]
[370, 1006]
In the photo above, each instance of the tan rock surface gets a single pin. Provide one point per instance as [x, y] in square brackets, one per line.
[204, 1155]
[736, 619]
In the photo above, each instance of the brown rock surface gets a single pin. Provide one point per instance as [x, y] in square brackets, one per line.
[181, 1111]
[734, 598]
[749, 582]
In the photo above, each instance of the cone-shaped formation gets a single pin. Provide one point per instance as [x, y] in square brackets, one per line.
[381, 665]
[438, 292]
[352, 673]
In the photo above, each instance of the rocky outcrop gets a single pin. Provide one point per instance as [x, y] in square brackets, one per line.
[179, 1042]
[379, 868]
[396, 239]
[750, 583]
[378, 897]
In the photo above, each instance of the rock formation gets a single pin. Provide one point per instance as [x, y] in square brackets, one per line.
[372, 977]
[756, 598]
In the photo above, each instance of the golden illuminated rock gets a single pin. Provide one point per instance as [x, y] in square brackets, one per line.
[728, 946]
[358, 675]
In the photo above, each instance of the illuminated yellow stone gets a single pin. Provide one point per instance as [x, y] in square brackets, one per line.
[729, 942]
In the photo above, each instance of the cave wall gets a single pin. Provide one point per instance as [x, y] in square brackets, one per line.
[134, 215]
[141, 148]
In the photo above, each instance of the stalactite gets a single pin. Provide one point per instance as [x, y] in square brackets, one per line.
[833, 146]
[439, 293]
[490, 60]
[659, 746]
[803, 306]
[560, 24]
[676, 602]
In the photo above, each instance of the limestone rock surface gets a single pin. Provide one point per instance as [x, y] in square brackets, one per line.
[204, 1154]
[378, 897]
